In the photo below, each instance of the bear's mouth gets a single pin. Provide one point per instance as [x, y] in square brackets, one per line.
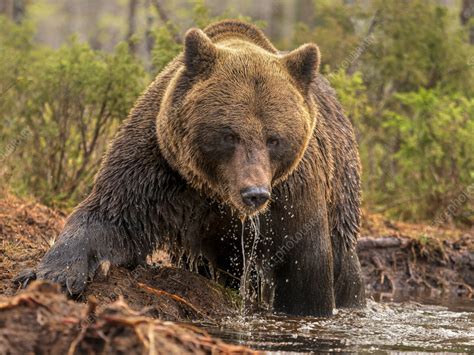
[248, 212]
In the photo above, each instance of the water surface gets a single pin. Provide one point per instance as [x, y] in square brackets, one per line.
[382, 327]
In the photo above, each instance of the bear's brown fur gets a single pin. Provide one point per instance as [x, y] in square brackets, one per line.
[230, 129]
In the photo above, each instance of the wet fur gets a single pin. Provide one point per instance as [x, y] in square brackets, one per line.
[140, 202]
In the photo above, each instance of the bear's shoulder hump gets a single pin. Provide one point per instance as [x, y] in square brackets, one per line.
[226, 29]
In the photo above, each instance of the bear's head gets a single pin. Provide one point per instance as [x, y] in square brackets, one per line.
[236, 118]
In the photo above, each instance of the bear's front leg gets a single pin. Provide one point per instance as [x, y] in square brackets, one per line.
[303, 268]
[85, 242]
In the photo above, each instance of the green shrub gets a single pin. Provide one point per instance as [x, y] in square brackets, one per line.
[435, 156]
[334, 31]
[411, 110]
[165, 48]
[418, 43]
[70, 102]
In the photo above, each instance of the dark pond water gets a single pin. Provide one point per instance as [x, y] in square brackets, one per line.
[425, 325]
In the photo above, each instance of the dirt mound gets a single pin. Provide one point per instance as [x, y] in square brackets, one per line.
[165, 292]
[42, 320]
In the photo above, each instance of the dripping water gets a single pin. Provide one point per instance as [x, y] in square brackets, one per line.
[247, 263]
[244, 263]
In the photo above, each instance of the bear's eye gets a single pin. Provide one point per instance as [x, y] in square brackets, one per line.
[273, 142]
[230, 138]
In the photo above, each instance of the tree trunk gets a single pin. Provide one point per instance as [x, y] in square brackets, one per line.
[467, 12]
[13, 9]
[132, 25]
[305, 12]
[166, 20]
[149, 40]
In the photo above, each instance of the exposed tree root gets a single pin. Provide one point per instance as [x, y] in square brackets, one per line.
[398, 265]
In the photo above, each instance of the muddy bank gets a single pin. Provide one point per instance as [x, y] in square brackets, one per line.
[400, 259]
[402, 266]
[41, 320]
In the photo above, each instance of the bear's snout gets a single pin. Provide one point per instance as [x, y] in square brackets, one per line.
[255, 196]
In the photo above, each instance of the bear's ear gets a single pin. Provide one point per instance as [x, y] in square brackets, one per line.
[303, 64]
[200, 53]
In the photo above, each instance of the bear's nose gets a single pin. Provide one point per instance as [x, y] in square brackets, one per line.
[255, 196]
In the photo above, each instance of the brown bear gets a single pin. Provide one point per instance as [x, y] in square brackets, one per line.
[230, 129]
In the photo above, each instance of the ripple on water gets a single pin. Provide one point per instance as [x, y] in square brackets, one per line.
[407, 326]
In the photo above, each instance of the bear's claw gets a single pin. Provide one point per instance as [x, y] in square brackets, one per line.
[24, 277]
[72, 281]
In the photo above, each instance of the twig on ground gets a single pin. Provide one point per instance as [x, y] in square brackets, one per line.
[177, 298]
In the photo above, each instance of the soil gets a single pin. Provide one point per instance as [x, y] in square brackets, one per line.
[27, 229]
[132, 309]
[400, 259]
[41, 320]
